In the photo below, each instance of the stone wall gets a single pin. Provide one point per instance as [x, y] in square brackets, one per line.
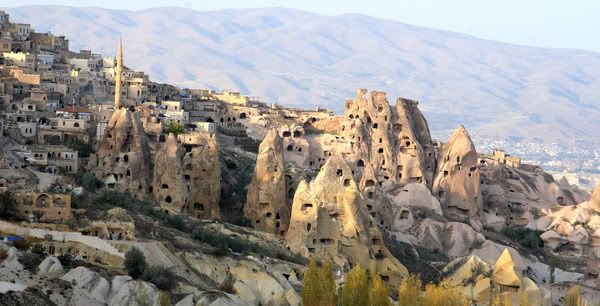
[45, 206]
[68, 240]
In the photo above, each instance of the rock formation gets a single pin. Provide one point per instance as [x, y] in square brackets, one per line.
[330, 220]
[169, 185]
[515, 195]
[124, 153]
[481, 281]
[457, 180]
[255, 282]
[394, 140]
[202, 170]
[211, 298]
[574, 232]
[51, 267]
[595, 200]
[266, 205]
[187, 175]
[89, 288]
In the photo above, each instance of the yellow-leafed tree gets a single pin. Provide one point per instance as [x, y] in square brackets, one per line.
[499, 300]
[379, 293]
[318, 286]
[444, 295]
[356, 289]
[328, 290]
[573, 297]
[409, 293]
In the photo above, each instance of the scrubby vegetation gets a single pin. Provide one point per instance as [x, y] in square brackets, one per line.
[526, 237]
[97, 204]
[7, 205]
[237, 174]
[31, 261]
[175, 128]
[88, 181]
[224, 242]
[163, 278]
[136, 266]
[135, 263]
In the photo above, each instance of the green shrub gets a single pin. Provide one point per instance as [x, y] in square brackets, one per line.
[7, 205]
[38, 249]
[90, 182]
[175, 128]
[30, 261]
[222, 241]
[135, 263]
[526, 237]
[163, 278]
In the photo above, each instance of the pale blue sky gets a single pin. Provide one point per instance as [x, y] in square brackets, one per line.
[545, 23]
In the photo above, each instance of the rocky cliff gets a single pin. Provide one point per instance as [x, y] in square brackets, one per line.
[266, 204]
[330, 220]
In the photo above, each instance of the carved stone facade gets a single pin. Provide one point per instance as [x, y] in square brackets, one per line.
[43, 206]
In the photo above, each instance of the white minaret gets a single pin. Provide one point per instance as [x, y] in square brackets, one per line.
[118, 72]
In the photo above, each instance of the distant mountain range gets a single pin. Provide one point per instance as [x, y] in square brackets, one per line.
[296, 58]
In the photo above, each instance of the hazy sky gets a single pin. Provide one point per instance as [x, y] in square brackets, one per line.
[545, 23]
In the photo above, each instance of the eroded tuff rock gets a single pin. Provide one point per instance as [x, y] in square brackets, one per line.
[402, 205]
[457, 180]
[573, 232]
[187, 175]
[124, 153]
[51, 267]
[394, 140]
[595, 200]
[515, 195]
[266, 205]
[89, 288]
[479, 280]
[202, 165]
[330, 220]
[126, 291]
[255, 282]
[171, 189]
[452, 238]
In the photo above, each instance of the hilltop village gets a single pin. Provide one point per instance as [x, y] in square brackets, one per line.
[233, 195]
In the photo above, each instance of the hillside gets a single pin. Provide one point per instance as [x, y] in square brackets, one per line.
[497, 90]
